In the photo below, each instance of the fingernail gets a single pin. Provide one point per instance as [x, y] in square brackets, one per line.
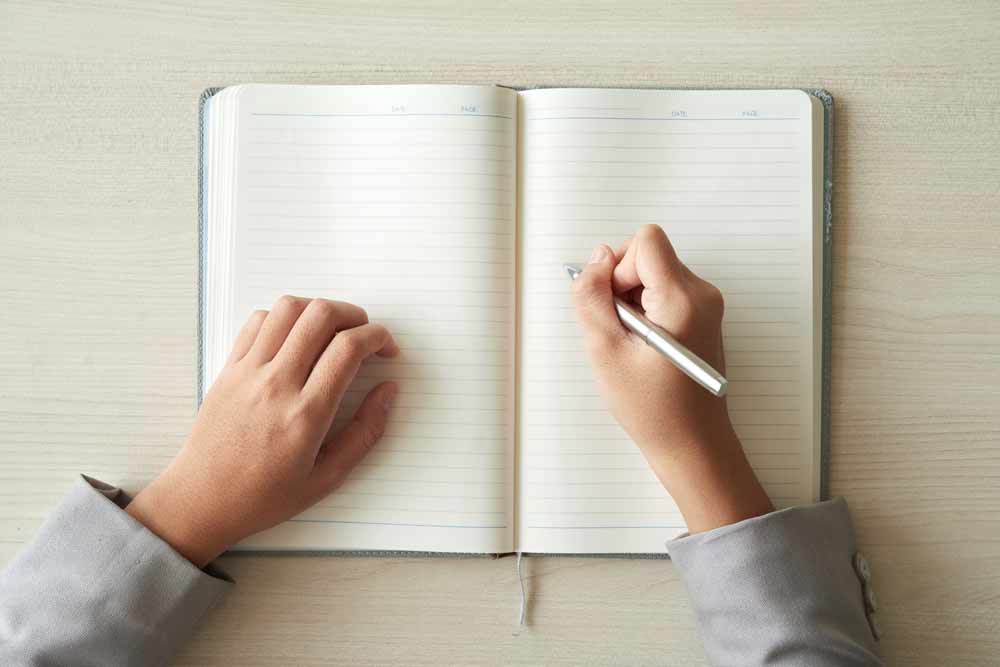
[600, 253]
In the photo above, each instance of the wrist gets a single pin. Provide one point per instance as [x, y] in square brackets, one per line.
[169, 515]
[710, 479]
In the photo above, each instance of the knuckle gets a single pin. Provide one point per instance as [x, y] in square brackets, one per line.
[379, 332]
[302, 413]
[350, 343]
[370, 433]
[271, 386]
[350, 306]
[696, 310]
[652, 301]
[324, 310]
[715, 301]
[286, 302]
[650, 232]
[325, 306]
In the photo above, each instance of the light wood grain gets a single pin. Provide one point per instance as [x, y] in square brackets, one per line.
[97, 280]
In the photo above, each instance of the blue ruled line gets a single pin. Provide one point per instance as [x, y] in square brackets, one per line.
[602, 527]
[656, 118]
[381, 115]
[386, 523]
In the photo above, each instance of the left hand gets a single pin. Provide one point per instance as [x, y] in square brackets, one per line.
[260, 451]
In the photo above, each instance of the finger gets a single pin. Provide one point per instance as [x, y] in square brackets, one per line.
[275, 329]
[594, 300]
[622, 249]
[246, 337]
[346, 449]
[313, 332]
[339, 362]
[649, 260]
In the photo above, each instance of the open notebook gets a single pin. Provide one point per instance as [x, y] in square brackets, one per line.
[447, 212]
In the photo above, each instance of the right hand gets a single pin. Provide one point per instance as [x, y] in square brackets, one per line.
[683, 431]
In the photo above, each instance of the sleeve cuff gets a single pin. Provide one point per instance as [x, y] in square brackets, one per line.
[88, 485]
[782, 584]
[97, 583]
[791, 518]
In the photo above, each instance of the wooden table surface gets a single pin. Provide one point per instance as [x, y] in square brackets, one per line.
[97, 284]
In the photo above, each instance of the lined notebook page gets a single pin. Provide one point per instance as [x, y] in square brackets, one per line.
[729, 175]
[400, 199]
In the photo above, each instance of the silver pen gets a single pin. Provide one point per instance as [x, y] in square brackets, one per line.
[687, 361]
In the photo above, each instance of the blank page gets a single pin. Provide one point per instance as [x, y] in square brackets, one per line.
[399, 199]
[730, 175]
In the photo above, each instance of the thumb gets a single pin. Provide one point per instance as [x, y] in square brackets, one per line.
[594, 299]
[345, 450]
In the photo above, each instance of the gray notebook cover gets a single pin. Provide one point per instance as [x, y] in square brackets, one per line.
[827, 221]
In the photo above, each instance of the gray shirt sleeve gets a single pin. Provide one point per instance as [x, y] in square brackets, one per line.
[786, 588]
[96, 587]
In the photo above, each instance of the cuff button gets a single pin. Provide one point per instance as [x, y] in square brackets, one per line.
[875, 627]
[862, 567]
[871, 600]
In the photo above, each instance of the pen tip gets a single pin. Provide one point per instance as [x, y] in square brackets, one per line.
[572, 270]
